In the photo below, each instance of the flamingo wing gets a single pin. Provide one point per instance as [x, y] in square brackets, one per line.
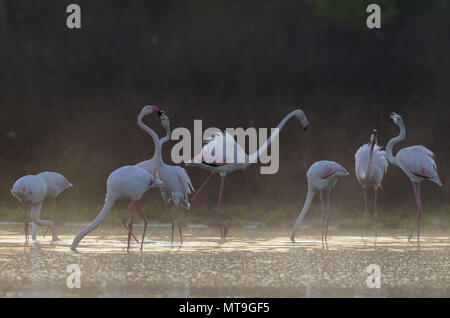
[220, 149]
[419, 161]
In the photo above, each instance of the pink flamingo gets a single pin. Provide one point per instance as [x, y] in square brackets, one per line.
[322, 175]
[233, 159]
[56, 183]
[370, 167]
[417, 162]
[32, 190]
[127, 182]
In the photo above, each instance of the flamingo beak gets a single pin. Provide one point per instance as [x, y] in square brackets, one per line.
[304, 122]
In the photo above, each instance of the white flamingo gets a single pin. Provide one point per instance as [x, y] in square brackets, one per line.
[417, 162]
[370, 167]
[56, 183]
[129, 182]
[176, 183]
[232, 159]
[32, 190]
[322, 175]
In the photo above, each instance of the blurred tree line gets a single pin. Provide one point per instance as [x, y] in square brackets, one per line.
[69, 98]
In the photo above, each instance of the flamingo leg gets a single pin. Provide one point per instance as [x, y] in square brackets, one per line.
[172, 221]
[26, 223]
[375, 212]
[125, 216]
[219, 208]
[416, 194]
[145, 222]
[328, 214]
[130, 226]
[366, 210]
[322, 207]
[180, 230]
[419, 197]
[201, 206]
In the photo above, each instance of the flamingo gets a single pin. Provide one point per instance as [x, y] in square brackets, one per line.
[56, 183]
[129, 182]
[322, 175]
[176, 183]
[417, 162]
[230, 163]
[32, 190]
[370, 167]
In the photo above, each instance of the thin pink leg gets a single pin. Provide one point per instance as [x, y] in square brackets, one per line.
[125, 216]
[130, 227]
[416, 194]
[375, 213]
[328, 214]
[26, 223]
[219, 208]
[366, 210]
[172, 221]
[323, 213]
[145, 222]
[419, 196]
[201, 206]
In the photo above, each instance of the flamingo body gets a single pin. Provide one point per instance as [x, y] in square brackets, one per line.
[379, 166]
[30, 189]
[56, 183]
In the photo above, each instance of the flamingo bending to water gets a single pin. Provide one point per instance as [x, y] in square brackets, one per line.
[322, 175]
[127, 182]
[176, 183]
[417, 162]
[370, 167]
[32, 190]
[56, 183]
[233, 159]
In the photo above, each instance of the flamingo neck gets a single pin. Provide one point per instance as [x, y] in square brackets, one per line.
[369, 164]
[156, 140]
[109, 203]
[394, 141]
[309, 198]
[166, 138]
[254, 156]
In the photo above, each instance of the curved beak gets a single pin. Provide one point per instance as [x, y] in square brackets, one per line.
[304, 122]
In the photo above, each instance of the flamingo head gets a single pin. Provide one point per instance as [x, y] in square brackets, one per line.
[396, 118]
[164, 119]
[373, 137]
[150, 109]
[302, 118]
[155, 182]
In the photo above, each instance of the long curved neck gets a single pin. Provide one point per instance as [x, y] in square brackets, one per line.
[392, 142]
[166, 138]
[155, 137]
[369, 164]
[99, 219]
[254, 156]
[309, 198]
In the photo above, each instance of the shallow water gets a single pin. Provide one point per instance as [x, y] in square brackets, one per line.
[253, 262]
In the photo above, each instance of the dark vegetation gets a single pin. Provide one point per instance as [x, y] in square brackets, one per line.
[69, 98]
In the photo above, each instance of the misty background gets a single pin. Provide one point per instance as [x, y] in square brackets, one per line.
[69, 98]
